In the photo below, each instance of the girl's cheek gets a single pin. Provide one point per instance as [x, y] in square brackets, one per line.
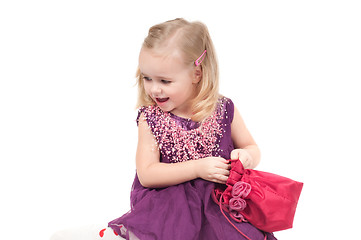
[146, 88]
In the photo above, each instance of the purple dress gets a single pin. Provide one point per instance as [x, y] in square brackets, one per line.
[185, 211]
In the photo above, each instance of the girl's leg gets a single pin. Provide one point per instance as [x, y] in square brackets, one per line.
[91, 232]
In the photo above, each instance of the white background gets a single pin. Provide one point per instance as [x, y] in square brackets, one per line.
[67, 119]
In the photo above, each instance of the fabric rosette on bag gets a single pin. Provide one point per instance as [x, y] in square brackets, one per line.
[268, 201]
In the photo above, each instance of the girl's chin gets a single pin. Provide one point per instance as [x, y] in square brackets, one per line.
[164, 107]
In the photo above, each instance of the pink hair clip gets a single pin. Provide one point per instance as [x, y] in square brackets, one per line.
[200, 59]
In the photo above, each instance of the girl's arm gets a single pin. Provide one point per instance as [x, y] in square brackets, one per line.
[246, 149]
[154, 174]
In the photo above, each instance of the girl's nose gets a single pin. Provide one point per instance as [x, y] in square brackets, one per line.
[156, 89]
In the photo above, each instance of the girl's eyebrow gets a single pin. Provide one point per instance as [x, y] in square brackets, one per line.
[157, 77]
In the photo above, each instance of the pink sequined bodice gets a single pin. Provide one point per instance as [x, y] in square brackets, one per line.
[181, 139]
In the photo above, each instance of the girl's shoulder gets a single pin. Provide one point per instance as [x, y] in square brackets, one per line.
[149, 113]
[225, 108]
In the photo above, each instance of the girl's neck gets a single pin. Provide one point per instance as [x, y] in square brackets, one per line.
[182, 114]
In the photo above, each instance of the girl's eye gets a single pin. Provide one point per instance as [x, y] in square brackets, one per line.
[165, 81]
[147, 78]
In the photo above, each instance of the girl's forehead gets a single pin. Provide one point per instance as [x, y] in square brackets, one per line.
[161, 63]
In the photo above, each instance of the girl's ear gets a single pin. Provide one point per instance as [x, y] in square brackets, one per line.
[197, 74]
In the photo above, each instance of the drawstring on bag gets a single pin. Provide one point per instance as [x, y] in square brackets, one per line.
[221, 207]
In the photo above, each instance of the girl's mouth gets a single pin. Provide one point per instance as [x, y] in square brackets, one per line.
[162, 100]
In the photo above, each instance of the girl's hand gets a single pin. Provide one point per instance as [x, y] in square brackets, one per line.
[243, 156]
[214, 169]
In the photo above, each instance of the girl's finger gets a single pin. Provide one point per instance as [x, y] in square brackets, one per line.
[244, 160]
[224, 172]
[234, 154]
[222, 179]
[225, 166]
[222, 164]
[243, 155]
[228, 166]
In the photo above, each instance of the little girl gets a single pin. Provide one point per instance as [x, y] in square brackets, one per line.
[186, 133]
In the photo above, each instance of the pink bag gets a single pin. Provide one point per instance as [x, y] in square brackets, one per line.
[268, 201]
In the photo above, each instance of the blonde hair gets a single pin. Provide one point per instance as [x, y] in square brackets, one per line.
[193, 39]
